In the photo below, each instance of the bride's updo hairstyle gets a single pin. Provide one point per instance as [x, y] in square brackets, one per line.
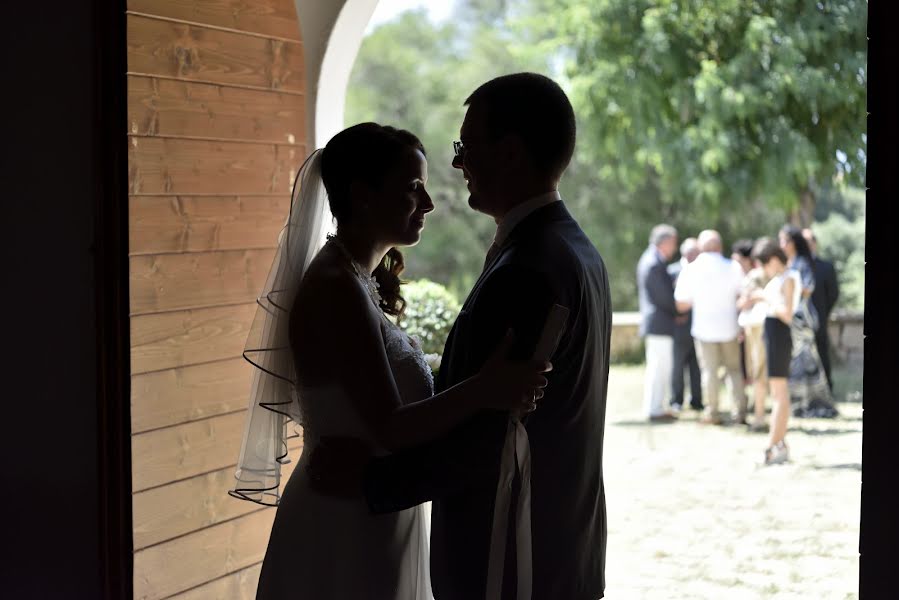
[366, 153]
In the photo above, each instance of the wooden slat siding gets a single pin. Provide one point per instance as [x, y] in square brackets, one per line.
[161, 107]
[174, 396]
[236, 586]
[183, 451]
[265, 17]
[173, 510]
[196, 53]
[166, 224]
[192, 560]
[177, 339]
[187, 450]
[183, 167]
[201, 279]
[216, 133]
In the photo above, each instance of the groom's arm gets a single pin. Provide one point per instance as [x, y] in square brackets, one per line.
[512, 298]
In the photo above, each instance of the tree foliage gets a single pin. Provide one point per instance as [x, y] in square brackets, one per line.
[719, 102]
[726, 114]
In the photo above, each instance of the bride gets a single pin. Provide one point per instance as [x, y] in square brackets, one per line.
[330, 357]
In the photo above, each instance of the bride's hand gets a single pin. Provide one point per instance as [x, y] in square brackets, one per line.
[512, 385]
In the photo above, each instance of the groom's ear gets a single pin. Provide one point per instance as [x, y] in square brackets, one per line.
[513, 149]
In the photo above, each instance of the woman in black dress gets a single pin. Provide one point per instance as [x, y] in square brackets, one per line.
[808, 381]
[781, 298]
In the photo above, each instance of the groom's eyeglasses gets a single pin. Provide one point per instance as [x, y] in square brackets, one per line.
[458, 154]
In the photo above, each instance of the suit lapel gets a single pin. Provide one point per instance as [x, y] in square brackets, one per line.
[542, 217]
[456, 341]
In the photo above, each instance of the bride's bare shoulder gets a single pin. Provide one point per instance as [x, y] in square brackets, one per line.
[322, 271]
[329, 298]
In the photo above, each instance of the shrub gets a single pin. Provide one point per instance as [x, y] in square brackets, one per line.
[431, 310]
[843, 242]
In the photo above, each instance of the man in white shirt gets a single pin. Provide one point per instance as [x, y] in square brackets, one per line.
[710, 285]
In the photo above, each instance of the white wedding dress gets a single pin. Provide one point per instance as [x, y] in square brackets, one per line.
[324, 548]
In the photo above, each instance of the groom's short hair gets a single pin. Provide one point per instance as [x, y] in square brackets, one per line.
[535, 108]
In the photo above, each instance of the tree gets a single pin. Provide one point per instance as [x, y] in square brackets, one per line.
[699, 114]
[716, 103]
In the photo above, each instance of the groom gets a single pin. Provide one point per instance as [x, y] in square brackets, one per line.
[517, 138]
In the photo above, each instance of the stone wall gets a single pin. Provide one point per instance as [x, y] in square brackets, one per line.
[846, 335]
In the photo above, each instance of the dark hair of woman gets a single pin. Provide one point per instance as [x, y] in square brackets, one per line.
[765, 249]
[366, 153]
[743, 248]
[795, 235]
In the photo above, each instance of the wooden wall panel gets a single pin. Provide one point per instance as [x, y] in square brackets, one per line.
[236, 586]
[176, 339]
[216, 134]
[172, 510]
[194, 53]
[192, 560]
[163, 107]
[183, 451]
[181, 166]
[168, 224]
[187, 450]
[169, 282]
[185, 394]
[275, 18]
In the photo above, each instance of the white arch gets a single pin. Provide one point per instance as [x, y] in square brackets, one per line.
[332, 33]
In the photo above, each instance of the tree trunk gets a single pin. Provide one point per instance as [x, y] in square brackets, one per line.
[803, 214]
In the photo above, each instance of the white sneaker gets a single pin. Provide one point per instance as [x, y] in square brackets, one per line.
[777, 454]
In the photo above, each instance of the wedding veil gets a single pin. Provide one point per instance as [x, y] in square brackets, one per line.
[273, 396]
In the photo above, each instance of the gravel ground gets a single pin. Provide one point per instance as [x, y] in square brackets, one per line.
[694, 514]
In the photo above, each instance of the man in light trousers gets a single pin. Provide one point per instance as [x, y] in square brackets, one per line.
[710, 285]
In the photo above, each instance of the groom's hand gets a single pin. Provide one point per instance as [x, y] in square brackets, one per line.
[336, 464]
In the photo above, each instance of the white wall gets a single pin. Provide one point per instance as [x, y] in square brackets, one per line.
[332, 33]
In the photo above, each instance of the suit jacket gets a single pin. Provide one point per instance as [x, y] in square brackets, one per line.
[827, 290]
[681, 330]
[546, 259]
[655, 292]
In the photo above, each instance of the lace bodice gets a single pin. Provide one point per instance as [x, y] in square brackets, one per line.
[407, 361]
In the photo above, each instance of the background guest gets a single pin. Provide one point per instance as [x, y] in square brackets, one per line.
[781, 297]
[710, 285]
[741, 254]
[808, 383]
[753, 312]
[657, 314]
[684, 350]
[824, 298]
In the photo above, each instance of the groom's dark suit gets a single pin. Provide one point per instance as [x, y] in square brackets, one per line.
[546, 259]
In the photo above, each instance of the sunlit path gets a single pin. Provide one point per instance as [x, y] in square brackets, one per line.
[692, 514]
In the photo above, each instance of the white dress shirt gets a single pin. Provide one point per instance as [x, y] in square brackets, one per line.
[711, 284]
[517, 214]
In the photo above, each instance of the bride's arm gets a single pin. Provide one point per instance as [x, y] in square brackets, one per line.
[354, 335]
[469, 455]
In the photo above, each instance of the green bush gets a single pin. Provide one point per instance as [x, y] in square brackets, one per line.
[431, 310]
[841, 238]
[631, 355]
